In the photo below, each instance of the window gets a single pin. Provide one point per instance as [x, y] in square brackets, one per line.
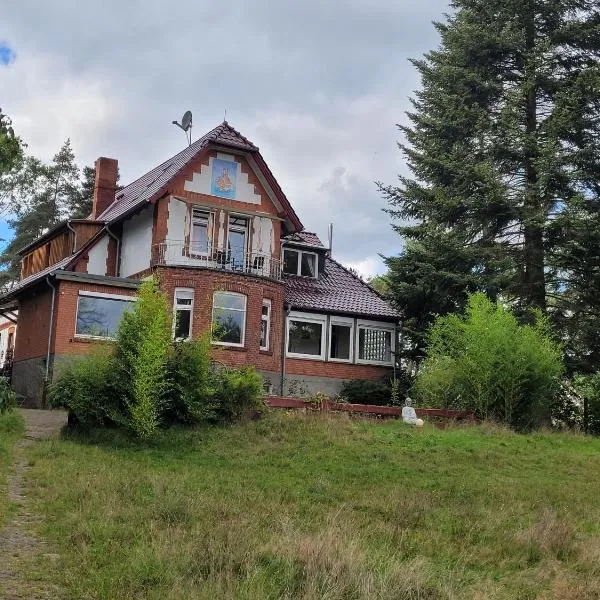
[265, 325]
[98, 315]
[228, 318]
[200, 234]
[183, 307]
[298, 262]
[375, 344]
[340, 339]
[305, 336]
[237, 234]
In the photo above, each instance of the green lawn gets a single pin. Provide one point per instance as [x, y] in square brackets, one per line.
[12, 427]
[314, 507]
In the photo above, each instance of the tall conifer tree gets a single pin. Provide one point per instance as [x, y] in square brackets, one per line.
[504, 149]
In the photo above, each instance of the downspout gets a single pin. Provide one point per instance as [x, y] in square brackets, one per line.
[114, 237]
[283, 346]
[47, 376]
[74, 237]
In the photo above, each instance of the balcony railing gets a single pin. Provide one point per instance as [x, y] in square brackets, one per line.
[240, 260]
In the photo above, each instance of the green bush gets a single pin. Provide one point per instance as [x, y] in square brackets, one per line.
[191, 397]
[379, 392]
[142, 350]
[487, 362]
[588, 387]
[237, 392]
[86, 387]
[8, 399]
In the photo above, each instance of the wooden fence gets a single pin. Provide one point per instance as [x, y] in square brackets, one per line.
[390, 412]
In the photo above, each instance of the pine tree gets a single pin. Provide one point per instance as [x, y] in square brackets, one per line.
[82, 207]
[41, 196]
[503, 141]
[11, 155]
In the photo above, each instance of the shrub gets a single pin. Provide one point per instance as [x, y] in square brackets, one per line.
[588, 386]
[379, 392]
[487, 362]
[191, 397]
[142, 349]
[85, 387]
[8, 399]
[237, 392]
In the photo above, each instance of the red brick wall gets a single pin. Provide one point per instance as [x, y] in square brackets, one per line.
[299, 366]
[65, 341]
[34, 322]
[205, 282]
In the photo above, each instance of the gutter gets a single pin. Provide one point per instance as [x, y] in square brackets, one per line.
[47, 375]
[114, 237]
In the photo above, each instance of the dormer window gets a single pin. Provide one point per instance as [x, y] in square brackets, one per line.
[299, 262]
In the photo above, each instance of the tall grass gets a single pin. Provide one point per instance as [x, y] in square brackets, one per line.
[12, 427]
[312, 507]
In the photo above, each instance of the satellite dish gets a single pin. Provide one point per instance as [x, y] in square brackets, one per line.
[186, 120]
[186, 125]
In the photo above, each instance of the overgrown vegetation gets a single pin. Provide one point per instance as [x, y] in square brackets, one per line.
[8, 399]
[147, 382]
[382, 392]
[306, 507]
[12, 427]
[487, 362]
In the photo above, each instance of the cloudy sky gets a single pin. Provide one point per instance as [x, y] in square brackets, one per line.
[317, 85]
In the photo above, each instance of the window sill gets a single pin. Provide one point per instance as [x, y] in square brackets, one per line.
[230, 348]
[265, 352]
[306, 357]
[87, 339]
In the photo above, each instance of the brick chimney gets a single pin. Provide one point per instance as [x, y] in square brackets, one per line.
[105, 186]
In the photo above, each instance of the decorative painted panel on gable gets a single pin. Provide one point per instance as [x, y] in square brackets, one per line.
[223, 177]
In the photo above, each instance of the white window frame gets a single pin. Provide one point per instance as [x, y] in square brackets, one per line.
[344, 322]
[98, 295]
[361, 324]
[306, 318]
[234, 344]
[209, 218]
[266, 302]
[299, 270]
[239, 229]
[183, 292]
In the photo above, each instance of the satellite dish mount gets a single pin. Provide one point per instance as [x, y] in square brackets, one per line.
[186, 126]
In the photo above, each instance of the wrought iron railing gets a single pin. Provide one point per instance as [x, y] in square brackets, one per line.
[194, 254]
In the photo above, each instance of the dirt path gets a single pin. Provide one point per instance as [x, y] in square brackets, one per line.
[23, 556]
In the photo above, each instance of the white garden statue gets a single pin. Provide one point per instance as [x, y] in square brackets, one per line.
[409, 414]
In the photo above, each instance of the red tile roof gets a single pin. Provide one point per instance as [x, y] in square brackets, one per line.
[304, 237]
[337, 290]
[155, 182]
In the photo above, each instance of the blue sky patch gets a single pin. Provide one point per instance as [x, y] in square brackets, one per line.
[7, 54]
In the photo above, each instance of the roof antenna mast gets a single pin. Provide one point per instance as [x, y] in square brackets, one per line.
[186, 125]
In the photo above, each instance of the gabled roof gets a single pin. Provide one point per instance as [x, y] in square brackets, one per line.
[305, 238]
[337, 290]
[154, 183]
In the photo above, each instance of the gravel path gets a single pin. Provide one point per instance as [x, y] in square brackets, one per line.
[20, 548]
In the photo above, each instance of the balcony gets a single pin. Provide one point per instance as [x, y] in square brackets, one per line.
[208, 256]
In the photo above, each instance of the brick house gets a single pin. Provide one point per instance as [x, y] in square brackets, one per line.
[230, 253]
